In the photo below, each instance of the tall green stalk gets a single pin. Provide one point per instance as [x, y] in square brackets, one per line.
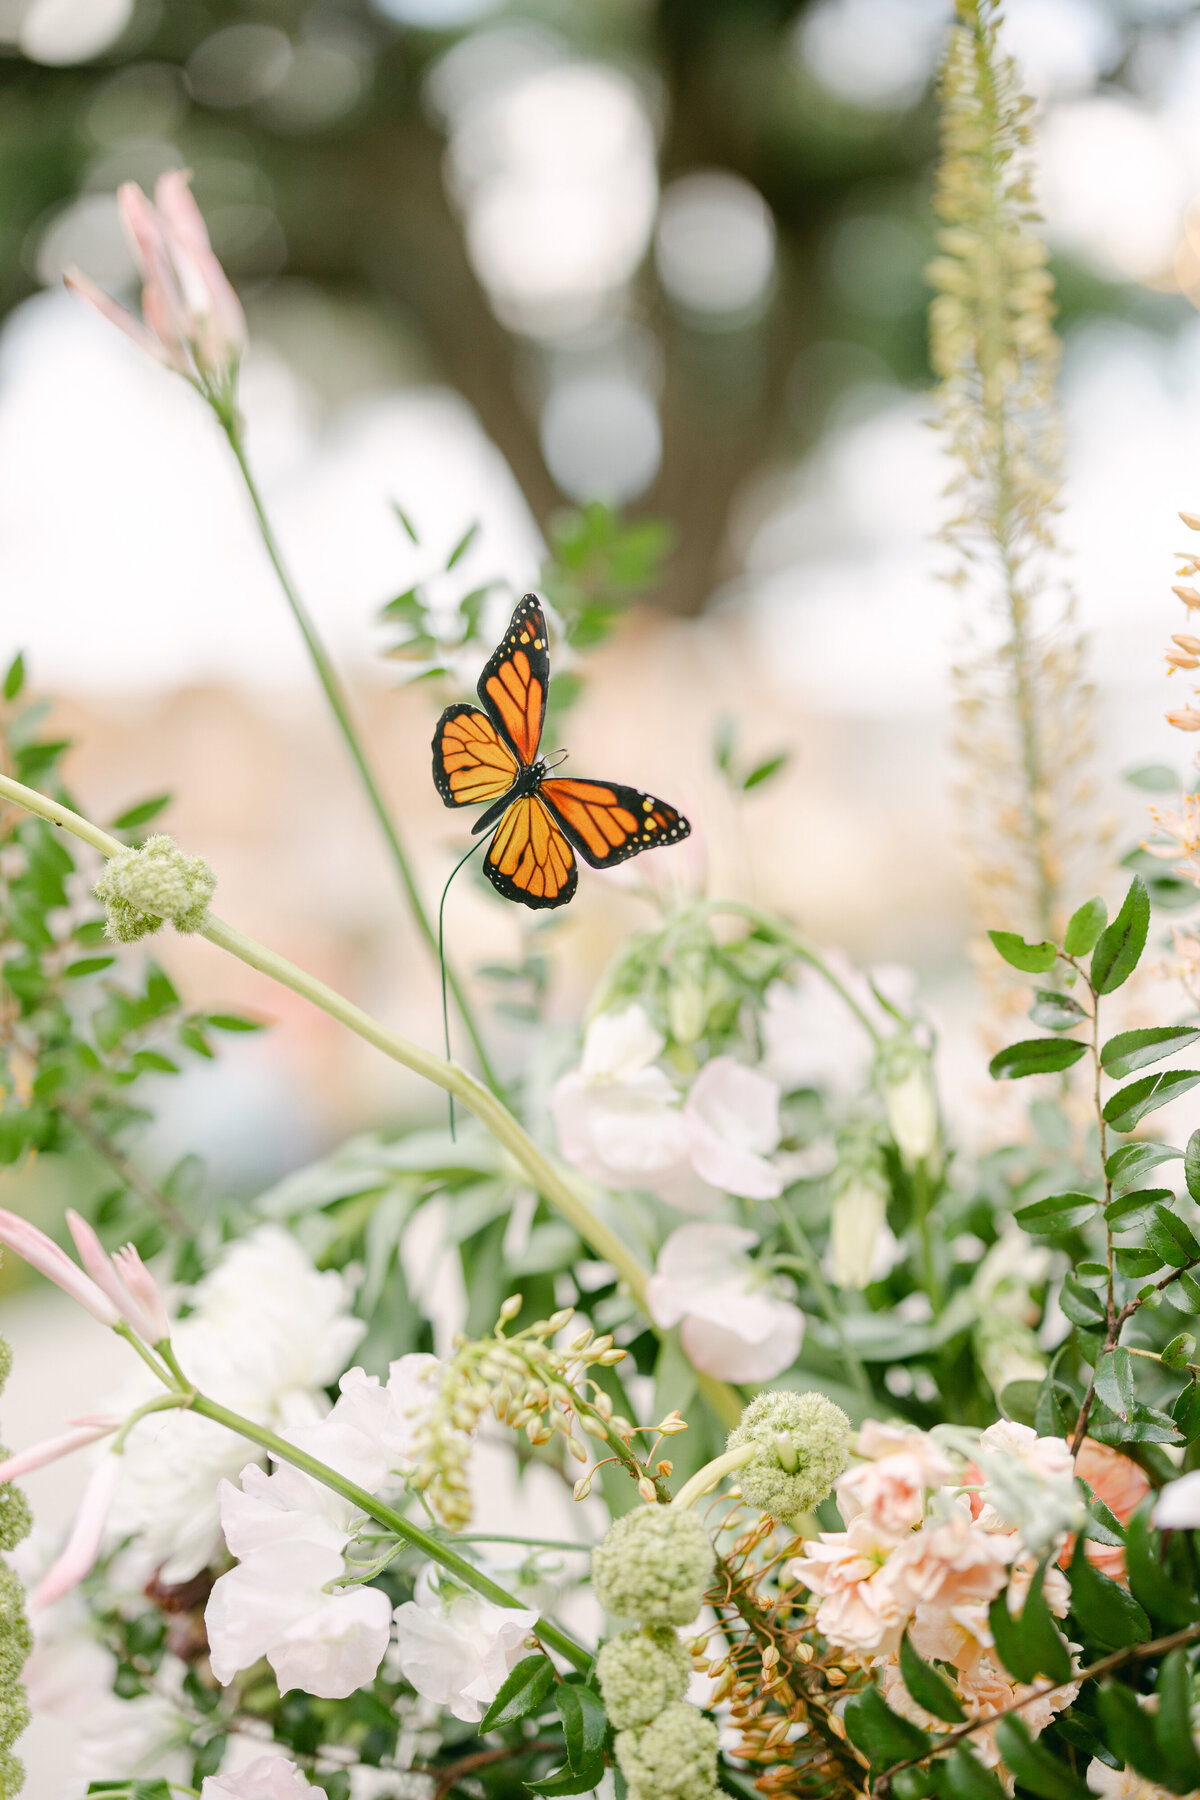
[339, 706]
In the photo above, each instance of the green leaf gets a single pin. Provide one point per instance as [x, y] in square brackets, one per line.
[1059, 1212]
[1131, 1162]
[1167, 1234]
[764, 770]
[585, 1723]
[193, 1039]
[521, 1692]
[141, 814]
[463, 545]
[927, 1687]
[882, 1735]
[1153, 778]
[571, 1781]
[87, 965]
[1085, 926]
[153, 1062]
[1135, 1262]
[14, 680]
[1133, 1102]
[1131, 1050]
[1114, 1381]
[1173, 1724]
[1128, 1730]
[961, 1776]
[1036, 1767]
[1186, 1411]
[1185, 1293]
[1031, 959]
[1036, 1056]
[1161, 1583]
[1191, 1165]
[232, 1022]
[1029, 1643]
[1120, 944]
[1132, 1208]
[1107, 1612]
[1081, 1306]
[1054, 1011]
[406, 522]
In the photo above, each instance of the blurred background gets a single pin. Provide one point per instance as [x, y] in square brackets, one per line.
[501, 260]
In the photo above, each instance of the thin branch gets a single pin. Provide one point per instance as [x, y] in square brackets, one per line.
[121, 1166]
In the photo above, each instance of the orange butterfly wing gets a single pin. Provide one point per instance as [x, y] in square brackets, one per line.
[471, 761]
[515, 681]
[607, 822]
[529, 859]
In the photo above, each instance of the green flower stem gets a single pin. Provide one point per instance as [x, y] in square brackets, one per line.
[339, 706]
[160, 1403]
[449, 1076]
[705, 1479]
[425, 1541]
[806, 1258]
[803, 952]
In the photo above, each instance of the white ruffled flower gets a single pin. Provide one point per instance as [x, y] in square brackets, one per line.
[810, 1036]
[267, 1778]
[734, 1325]
[457, 1651]
[623, 1122]
[268, 1333]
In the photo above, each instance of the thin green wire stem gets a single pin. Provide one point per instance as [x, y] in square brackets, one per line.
[339, 706]
[806, 1256]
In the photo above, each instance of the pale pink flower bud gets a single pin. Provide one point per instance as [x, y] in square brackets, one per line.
[35, 1248]
[83, 1545]
[125, 1279]
[50, 1449]
[192, 319]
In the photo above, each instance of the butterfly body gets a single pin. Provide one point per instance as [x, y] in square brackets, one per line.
[490, 757]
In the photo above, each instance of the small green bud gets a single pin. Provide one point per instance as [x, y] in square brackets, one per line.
[674, 1758]
[1179, 1352]
[640, 1674]
[140, 888]
[802, 1445]
[654, 1565]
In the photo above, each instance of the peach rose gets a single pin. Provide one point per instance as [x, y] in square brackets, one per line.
[952, 1564]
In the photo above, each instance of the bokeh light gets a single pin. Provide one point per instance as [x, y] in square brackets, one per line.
[714, 246]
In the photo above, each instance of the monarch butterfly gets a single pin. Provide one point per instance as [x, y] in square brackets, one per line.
[539, 819]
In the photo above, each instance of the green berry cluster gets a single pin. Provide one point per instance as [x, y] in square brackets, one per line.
[16, 1640]
[655, 1565]
[801, 1444]
[142, 887]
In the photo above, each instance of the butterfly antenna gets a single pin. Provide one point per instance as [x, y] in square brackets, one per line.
[442, 961]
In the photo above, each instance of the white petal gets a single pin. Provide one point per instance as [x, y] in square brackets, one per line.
[741, 1105]
[337, 1648]
[620, 1043]
[716, 1351]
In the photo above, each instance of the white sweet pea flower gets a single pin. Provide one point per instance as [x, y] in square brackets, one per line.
[268, 1778]
[618, 1116]
[731, 1125]
[810, 1036]
[734, 1324]
[1178, 1505]
[457, 1651]
[276, 1603]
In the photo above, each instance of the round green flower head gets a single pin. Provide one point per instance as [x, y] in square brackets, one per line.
[654, 1565]
[801, 1444]
[641, 1673]
[675, 1758]
[141, 888]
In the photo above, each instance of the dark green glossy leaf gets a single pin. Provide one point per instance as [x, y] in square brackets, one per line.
[1036, 1056]
[1085, 926]
[571, 1781]
[1184, 1293]
[1131, 1163]
[882, 1736]
[1060, 1212]
[1132, 1208]
[1035, 1766]
[1107, 1612]
[584, 1721]
[1031, 959]
[522, 1692]
[1128, 1728]
[1131, 1050]
[1171, 1238]
[1135, 1262]
[1114, 1381]
[1191, 1165]
[928, 1688]
[1120, 945]
[1129, 1104]
[1080, 1304]
[1161, 1580]
[1173, 1725]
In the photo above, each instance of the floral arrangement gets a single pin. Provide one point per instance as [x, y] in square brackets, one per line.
[854, 1461]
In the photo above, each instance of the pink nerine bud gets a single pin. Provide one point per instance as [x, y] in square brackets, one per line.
[193, 320]
[83, 1545]
[35, 1248]
[50, 1449]
[125, 1279]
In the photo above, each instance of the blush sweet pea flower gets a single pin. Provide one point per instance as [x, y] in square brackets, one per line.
[457, 1651]
[734, 1325]
[731, 1126]
[192, 321]
[267, 1778]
